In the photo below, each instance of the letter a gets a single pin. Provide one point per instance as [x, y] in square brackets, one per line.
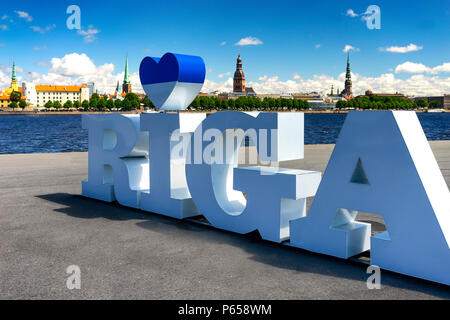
[382, 164]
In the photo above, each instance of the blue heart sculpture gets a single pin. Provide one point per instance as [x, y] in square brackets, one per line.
[172, 81]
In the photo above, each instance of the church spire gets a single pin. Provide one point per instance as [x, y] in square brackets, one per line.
[348, 78]
[126, 78]
[126, 85]
[13, 76]
[348, 65]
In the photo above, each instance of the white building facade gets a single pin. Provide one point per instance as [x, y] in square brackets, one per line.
[29, 92]
[39, 95]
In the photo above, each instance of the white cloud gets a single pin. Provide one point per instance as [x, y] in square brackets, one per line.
[75, 64]
[317, 46]
[223, 43]
[249, 41]
[4, 17]
[89, 35]
[43, 30]
[24, 15]
[78, 68]
[3, 27]
[445, 67]
[412, 67]
[385, 83]
[296, 76]
[351, 13]
[348, 48]
[72, 69]
[223, 75]
[409, 48]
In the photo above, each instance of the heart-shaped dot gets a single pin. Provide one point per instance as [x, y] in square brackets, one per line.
[172, 81]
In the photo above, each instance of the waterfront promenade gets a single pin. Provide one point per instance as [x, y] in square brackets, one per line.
[45, 226]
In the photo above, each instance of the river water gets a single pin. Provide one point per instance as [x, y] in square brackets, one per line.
[63, 133]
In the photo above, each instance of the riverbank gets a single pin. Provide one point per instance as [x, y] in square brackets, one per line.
[5, 113]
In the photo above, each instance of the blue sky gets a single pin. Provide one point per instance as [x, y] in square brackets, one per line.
[299, 40]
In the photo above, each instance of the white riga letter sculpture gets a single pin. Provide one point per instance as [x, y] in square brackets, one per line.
[382, 164]
[184, 165]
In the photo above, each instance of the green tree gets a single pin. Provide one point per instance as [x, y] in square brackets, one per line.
[57, 105]
[231, 104]
[110, 104]
[68, 104]
[224, 104]
[22, 104]
[126, 104]
[93, 103]
[148, 104]
[118, 104]
[48, 104]
[77, 104]
[85, 104]
[13, 105]
[435, 104]
[95, 96]
[195, 104]
[133, 100]
[101, 104]
[341, 104]
[239, 103]
[15, 96]
[422, 103]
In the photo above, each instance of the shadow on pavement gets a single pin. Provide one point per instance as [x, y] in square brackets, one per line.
[262, 251]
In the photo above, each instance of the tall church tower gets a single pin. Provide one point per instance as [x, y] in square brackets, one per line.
[348, 79]
[126, 86]
[14, 85]
[239, 78]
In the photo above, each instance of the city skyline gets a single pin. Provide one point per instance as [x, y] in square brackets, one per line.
[294, 47]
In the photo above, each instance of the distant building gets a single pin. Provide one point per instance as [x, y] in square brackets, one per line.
[348, 91]
[369, 93]
[250, 92]
[286, 96]
[444, 100]
[30, 93]
[117, 94]
[333, 97]
[5, 95]
[61, 93]
[91, 88]
[307, 96]
[126, 86]
[239, 78]
[39, 95]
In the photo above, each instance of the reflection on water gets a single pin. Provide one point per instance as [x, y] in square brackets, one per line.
[63, 133]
